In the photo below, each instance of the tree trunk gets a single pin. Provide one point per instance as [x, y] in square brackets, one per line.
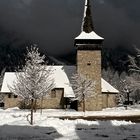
[24, 104]
[32, 108]
[35, 105]
[84, 108]
[128, 98]
[107, 99]
[41, 104]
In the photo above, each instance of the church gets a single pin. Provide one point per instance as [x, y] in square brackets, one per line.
[88, 63]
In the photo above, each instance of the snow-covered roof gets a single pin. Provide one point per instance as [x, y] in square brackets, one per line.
[92, 35]
[107, 88]
[8, 79]
[61, 76]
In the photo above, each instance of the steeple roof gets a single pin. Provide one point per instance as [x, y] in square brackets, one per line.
[87, 24]
[87, 29]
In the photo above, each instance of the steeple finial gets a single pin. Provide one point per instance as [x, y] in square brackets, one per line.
[87, 24]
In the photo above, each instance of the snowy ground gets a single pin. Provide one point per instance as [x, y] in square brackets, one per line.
[14, 126]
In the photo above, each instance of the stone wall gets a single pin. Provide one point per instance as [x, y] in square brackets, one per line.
[109, 100]
[50, 102]
[89, 64]
[53, 102]
[99, 102]
[11, 102]
[92, 104]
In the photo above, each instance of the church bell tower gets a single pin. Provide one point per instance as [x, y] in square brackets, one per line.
[89, 45]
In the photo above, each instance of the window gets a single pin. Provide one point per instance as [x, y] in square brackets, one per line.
[15, 96]
[9, 95]
[53, 94]
[1, 104]
[89, 63]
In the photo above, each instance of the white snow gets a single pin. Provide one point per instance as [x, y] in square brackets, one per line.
[106, 87]
[9, 78]
[116, 111]
[14, 126]
[85, 10]
[91, 35]
[60, 74]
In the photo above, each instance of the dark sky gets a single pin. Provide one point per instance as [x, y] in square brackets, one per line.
[53, 24]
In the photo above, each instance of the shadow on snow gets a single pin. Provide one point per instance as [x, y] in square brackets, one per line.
[10, 132]
[108, 130]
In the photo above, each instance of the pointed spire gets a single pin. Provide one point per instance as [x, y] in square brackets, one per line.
[87, 24]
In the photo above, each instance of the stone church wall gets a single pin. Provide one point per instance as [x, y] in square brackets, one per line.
[89, 64]
[54, 101]
[109, 100]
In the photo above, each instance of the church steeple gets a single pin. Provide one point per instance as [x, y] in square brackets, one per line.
[88, 34]
[87, 24]
[89, 46]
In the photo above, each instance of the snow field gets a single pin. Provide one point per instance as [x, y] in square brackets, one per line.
[14, 126]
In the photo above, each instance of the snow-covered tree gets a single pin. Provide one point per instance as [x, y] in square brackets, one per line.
[1, 79]
[134, 82]
[126, 90]
[134, 69]
[135, 62]
[33, 82]
[119, 82]
[83, 88]
[111, 76]
[108, 74]
[1, 98]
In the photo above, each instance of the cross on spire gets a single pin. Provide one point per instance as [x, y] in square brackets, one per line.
[87, 24]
